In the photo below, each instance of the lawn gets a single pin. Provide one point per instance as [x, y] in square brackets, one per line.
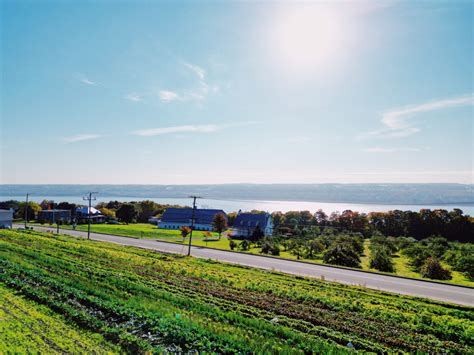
[145, 301]
[145, 230]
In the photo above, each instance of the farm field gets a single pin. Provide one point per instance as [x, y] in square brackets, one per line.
[145, 230]
[28, 326]
[142, 300]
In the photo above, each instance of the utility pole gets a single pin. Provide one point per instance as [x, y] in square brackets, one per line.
[192, 222]
[26, 209]
[89, 198]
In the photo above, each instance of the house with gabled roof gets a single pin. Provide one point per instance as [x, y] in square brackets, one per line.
[246, 223]
[175, 218]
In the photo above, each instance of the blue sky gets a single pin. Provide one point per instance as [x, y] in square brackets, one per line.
[213, 92]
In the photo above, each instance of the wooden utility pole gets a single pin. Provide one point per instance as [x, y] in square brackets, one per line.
[89, 198]
[192, 222]
[26, 209]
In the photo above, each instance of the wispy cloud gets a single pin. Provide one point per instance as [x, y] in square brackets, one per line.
[177, 129]
[399, 122]
[80, 137]
[202, 128]
[85, 80]
[390, 150]
[134, 97]
[168, 96]
[197, 70]
[197, 92]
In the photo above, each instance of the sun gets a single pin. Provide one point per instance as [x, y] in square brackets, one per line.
[306, 37]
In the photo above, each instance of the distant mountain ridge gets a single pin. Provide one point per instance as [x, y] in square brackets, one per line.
[414, 194]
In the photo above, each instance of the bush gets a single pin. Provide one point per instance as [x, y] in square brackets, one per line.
[232, 244]
[342, 253]
[432, 269]
[381, 260]
[465, 264]
[244, 245]
[270, 247]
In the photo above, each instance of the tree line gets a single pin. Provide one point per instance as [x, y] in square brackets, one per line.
[453, 225]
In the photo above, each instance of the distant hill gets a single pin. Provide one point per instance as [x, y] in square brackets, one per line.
[340, 193]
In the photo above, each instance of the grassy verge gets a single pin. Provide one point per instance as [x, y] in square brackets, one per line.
[147, 301]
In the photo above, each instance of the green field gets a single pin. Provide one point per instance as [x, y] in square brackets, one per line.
[28, 326]
[145, 230]
[143, 301]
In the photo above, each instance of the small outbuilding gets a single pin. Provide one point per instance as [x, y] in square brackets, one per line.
[6, 218]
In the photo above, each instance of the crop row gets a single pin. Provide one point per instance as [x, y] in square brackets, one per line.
[144, 300]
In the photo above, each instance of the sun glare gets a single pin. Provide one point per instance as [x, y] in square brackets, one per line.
[306, 38]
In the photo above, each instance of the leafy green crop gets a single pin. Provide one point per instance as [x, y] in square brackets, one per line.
[147, 301]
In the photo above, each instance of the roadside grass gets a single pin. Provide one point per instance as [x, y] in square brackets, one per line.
[151, 302]
[146, 230]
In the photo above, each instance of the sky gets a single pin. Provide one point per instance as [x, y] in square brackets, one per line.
[236, 92]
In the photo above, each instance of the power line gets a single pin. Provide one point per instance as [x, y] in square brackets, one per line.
[192, 222]
[89, 198]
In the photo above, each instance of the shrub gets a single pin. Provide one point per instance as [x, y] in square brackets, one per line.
[342, 253]
[232, 244]
[381, 260]
[465, 264]
[244, 245]
[270, 247]
[432, 269]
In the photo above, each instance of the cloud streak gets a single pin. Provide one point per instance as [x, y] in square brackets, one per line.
[168, 96]
[177, 129]
[197, 70]
[203, 128]
[85, 80]
[134, 97]
[390, 150]
[399, 122]
[197, 93]
[80, 138]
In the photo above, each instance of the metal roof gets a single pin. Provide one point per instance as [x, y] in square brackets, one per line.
[184, 215]
[251, 220]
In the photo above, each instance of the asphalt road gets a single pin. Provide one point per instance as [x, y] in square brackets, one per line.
[436, 291]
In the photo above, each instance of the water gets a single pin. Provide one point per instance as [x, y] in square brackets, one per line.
[247, 205]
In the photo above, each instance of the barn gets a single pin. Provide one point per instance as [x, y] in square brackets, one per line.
[175, 218]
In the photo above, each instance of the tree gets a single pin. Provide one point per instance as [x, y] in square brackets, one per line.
[185, 231]
[342, 253]
[147, 209]
[110, 214]
[270, 247]
[432, 269]
[127, 213]
[296, 247]
[313, 247]
[219, 223]
[381, 260]
[33, 209]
